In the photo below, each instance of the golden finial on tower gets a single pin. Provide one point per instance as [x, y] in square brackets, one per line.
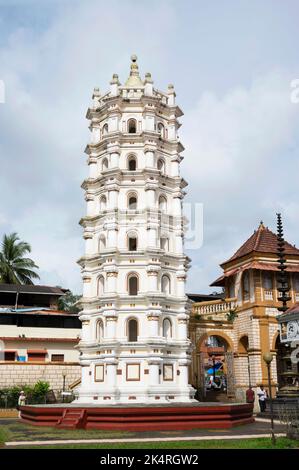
[134, 79]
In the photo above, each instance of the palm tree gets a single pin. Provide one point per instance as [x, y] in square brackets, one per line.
[15, 268]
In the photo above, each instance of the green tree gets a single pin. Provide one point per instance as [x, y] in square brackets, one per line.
[15, 268]
[67, 302]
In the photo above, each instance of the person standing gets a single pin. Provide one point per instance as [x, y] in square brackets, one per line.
[250, 395]
[262, 394]
[21, 401]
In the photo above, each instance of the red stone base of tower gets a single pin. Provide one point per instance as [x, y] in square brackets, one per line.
[139, 418]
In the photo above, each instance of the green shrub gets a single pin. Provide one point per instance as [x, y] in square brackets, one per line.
[34, 394]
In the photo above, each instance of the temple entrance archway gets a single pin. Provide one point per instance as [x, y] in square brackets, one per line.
[216, 367]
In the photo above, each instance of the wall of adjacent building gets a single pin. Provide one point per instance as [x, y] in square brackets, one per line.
[28, 373]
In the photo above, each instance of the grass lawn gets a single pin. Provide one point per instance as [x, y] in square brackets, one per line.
[262, 443]
[14, 430]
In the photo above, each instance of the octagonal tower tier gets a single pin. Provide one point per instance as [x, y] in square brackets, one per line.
[134, 346]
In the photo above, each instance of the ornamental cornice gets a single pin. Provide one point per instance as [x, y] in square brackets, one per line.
[87, 235]
[151, 186]
[150, 147]
[153, 269]
[153, 316]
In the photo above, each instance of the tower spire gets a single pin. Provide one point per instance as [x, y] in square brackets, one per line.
[282, 279]
[134, 79]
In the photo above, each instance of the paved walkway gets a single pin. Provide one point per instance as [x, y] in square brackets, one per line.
[155, 439]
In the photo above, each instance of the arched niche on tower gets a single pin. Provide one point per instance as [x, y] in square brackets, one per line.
[167, 329]
[166, 284]
[132, 329]
[132, 162]
[132, 240]
[133, 283]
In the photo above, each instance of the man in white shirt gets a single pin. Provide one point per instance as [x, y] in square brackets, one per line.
[262, 394]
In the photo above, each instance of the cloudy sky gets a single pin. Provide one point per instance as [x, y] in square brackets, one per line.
[232, 63]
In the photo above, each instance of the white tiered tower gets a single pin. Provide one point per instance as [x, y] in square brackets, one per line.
[134, 346]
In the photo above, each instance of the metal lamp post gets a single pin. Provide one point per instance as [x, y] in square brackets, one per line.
[63, 385]
[268, 357]
[214, 371]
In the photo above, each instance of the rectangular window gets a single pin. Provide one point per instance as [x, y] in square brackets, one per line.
[133, 372]
[9, 355]
[57, 358]
[268, 285]
[36, 356]
[168, 372]
[246, 286]
[99, 373]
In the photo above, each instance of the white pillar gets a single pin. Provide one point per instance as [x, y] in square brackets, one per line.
[184, 369]
[111, 321]
[90, 204]
[181, 278]
[151, 196]
[152, 276]
[154, 377]
[88, 243]
[176, 205]
[113, 198]
[174, 166]
[86, 286]
[182, 326]
[149, 158]
[92, 168]
[152, 236]
[153, 323]
[114, 159]
[111, 367]
[111, 281]
[85, 332]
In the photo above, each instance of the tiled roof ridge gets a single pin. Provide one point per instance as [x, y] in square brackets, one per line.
[254, 242]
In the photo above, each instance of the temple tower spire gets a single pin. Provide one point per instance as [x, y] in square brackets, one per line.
[134, 346]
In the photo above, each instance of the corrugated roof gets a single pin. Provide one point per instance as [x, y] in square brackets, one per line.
[264, 241]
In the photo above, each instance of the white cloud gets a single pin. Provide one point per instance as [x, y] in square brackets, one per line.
[239, 145]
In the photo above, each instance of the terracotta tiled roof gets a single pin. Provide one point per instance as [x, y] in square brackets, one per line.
[264, 241]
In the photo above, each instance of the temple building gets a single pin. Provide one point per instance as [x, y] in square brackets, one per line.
[230, 335]
[135, 346]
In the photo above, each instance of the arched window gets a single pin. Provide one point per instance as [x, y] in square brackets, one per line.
[162, 204]
[100, 331]
[132, 128]
[105, 129]
[161, 166]
[165, 284]
[133, 284]
[102, 243]
[103, 203]
[164, 244]
[101, 286]
[167, 328]
[132, 164]
[105, 164]
[132, 242]
[132, 330]
[161, 130]
[132, 202]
